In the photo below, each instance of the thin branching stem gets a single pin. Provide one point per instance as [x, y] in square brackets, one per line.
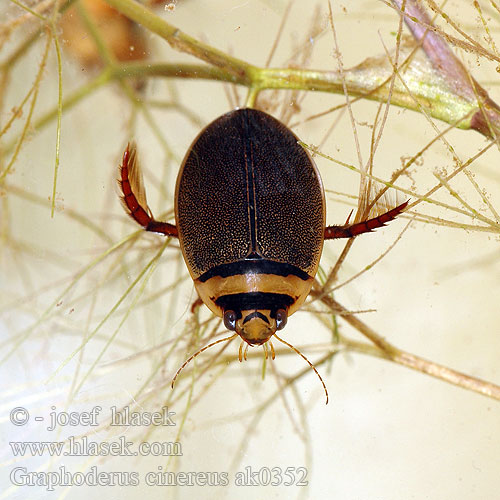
[413, 361]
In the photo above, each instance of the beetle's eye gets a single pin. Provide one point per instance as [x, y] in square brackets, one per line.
[281, 318]
[230, 320]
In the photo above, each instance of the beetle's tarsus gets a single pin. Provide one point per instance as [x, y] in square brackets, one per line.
[332, 232]
[134, 195]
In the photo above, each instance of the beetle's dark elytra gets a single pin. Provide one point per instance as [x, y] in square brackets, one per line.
[250, 218]
[256, 192]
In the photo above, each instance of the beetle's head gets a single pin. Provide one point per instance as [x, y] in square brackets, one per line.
[255, 326]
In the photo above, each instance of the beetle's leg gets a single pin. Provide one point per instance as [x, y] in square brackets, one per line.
[240, 352]
[134, 195]
[332, 232]
[197, 303]
[273, 353]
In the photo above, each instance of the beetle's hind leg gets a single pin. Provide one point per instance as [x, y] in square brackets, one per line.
[349, 231]
[134, 195]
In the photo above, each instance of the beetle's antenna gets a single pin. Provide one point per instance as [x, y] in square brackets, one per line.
[310, 364]
[199, 352]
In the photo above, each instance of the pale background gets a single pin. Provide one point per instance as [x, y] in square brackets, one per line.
[387, 433]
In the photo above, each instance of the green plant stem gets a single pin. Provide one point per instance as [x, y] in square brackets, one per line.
[74, 98]
[59, 104]
[425, 89]
[15, 56]
[429, 90]
[179, 40]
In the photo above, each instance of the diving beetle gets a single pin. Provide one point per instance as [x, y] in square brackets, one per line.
[250, 217]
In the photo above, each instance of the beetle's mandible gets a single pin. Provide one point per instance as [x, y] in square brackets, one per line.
[250, 218]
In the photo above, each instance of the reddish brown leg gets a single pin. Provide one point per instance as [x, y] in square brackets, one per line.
[197, 303]
[366, 226]
[134, 195]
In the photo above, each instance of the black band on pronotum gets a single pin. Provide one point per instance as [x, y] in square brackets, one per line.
[255, 300]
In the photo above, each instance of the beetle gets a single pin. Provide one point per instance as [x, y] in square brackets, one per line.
[250, 218]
